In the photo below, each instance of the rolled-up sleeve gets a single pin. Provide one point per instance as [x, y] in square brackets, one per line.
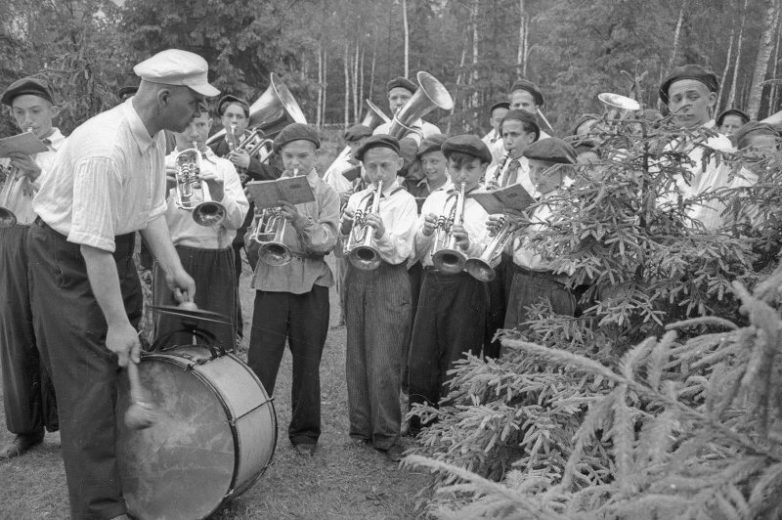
[319, 235]
[97, 191]
[234, 199]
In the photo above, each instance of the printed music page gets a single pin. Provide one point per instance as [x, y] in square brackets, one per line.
[269, 194]
[25, 143]
[512, 199]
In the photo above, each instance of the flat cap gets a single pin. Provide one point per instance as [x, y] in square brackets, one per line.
[753, 128]
[523, 84]
[732, 112]
[689, 71]
[524, 117]
[501, 104]
[356, 132]
[433, 143]
[377, 141]
[127, 91]
[28, 85]
[226, 100]
[401, 82]
[552, 150]
[296, 132]
[177, 67]
[469, 144]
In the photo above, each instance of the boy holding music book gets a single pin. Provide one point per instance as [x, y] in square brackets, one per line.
[533, 281]
[380, 221]
[451, 314]
[292, 299]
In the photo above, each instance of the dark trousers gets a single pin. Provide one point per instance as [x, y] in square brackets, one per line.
[302, 319]
[531, 287]
[28, 392]
[71, 332]
[499, 288]
[213, 272]
[416, 275]
[449, 322]
[377, 318]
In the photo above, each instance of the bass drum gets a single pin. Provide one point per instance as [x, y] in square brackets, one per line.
[214, 435]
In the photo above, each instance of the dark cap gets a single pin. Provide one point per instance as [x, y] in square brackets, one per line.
[753, 128]
[356, 132]
[469, 144]
[296, 132]
[433, 143]
[28, 85]
[689, 71]
[401, 82]
[552, 150]
[523, 84]
[524, 117]
[501, 104]
[377, 141]
[585, 118]
[127, 90]
[732, 112]
[226, 100]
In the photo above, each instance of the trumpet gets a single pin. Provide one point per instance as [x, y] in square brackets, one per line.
[7, 217]
[269, 233]
[252, 142]
[482, 267]
[358, 247]
[446, 257]
[188, 166]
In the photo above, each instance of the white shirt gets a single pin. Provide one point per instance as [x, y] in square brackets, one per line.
[108, 179]
[426, 128]
[333, 176]
[475, 218]
[399, 213]
[524, 254]
[17, 194]
[499, 176]
[493, 141]
[185, 231]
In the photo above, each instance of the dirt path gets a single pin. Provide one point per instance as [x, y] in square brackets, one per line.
[342, 481]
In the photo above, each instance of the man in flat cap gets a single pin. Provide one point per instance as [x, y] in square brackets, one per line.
[377, 300]
[494, 138]
[292, 300]
[525, 95]
[690, 92]
[107, 182]
[451, 316]
[400, 90]
[28, 392]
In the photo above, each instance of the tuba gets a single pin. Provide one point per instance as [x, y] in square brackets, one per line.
[481, 267]
[617, 106]
[374, 118]
[359, 248]
[446, 257]
[431, 94]
[269, 233]
[188, 167]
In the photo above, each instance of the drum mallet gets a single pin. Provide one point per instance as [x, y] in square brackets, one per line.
[140, 413]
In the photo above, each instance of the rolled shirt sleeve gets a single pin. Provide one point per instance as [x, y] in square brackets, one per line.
[96, 193]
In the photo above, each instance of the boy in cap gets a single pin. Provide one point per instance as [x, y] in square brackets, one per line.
[519, 129]
[205, 251]
[107, 182]
[525, 95]
[432, 165]
[292, 300]
[533, 280]
[451, 314]
[28, 393]
[400, 90]
[377, 301]
[494, 138]
[731, 120]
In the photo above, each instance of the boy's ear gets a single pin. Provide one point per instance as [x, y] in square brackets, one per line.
[55, 111]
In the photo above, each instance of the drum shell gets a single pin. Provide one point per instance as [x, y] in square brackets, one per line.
[214, 435]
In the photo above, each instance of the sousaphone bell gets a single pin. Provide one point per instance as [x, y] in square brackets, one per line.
[431, 94]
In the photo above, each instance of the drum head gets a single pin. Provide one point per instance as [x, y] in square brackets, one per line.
[181, 467]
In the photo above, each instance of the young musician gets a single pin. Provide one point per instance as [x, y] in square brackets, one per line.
[533, 280]
[28, 393]
[494, 138]
[525, 95]
[292, 300]
[729, 121]
[519, 129]
[378, 301]
[205, 251]
[107, 181]
[451, 314]
[400, 90]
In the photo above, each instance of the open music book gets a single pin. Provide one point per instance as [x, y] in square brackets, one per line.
[511, 199]
[268, 194]
[25, 143]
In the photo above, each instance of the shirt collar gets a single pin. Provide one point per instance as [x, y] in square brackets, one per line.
[137, 129]
[55, 139]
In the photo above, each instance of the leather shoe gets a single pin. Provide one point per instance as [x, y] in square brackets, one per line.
[20, 444]
[394, 453]
[305, 450]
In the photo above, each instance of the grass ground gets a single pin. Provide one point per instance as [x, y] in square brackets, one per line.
[342, 481]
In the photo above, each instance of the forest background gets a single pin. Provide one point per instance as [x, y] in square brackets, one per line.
[334, 54]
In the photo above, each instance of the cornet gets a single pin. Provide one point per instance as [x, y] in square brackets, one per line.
[446, 256]
[269, 233]
[358, 248]
[481, 267]
[188, 167]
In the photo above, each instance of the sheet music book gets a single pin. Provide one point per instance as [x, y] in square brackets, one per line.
[268, 194]
[25, 143]
[511, 199]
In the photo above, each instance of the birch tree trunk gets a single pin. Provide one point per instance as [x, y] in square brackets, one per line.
[732, 95]
[772, 99]
[459, 81]
[522, 37]
[407, 37]
[475, 94]
[726, 68]
[319, 108]
[325, 83]
[346, 61]
[361, 85]
[761, 61]
[372, 71]
[356, 105]
[677, 34]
